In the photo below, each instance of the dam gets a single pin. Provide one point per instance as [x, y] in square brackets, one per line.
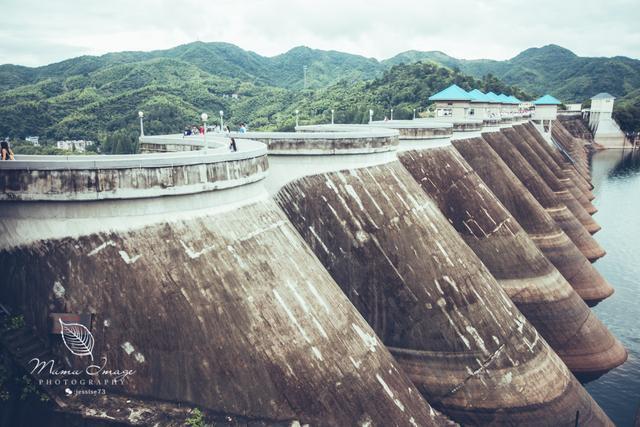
[425, 273]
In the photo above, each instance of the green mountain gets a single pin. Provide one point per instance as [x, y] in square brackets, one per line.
[222, 59]
[94, 96]
[549, 69]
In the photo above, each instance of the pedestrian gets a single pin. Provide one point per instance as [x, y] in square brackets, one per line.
[232, 145]
[5, 151]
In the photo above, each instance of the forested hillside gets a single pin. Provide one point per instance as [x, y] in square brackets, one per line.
[97, 97]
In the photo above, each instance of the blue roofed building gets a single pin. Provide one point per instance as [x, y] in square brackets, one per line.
[453, 102]
[546, 108]
[481, 107]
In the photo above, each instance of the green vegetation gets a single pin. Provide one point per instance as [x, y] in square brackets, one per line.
[98, 98]
[196, 419]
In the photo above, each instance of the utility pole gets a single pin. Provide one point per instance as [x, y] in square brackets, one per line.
[304, 70]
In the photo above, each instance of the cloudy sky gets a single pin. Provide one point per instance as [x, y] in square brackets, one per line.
[37, 32]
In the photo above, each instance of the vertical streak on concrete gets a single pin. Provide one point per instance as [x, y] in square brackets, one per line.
[431, 300]
[545, 196]
[536, 221]
[563, 195]
[562, 162]
[531, 281]
[561, 175]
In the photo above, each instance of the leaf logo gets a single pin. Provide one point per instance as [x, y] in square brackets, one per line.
[77, 338]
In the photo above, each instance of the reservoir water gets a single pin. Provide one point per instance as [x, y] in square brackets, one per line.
[616, 177]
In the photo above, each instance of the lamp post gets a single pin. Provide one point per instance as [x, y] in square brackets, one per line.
[297, 117]
[204, 118]
[392, 114]
[370, 116]
[221, 121]
[141, 115]
[331, 116]
[414, 114]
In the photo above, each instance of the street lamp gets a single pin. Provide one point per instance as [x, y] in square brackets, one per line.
[392, 114]
[331, 116]
[221, 121]
[204, 118]
[141, 115]
[297, 117]
[370, 116]
[414, 114]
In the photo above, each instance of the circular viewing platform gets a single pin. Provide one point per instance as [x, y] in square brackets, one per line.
[100, 177]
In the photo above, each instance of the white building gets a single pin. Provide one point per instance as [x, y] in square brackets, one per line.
[574, 107]
[35, 140]
[606, 131]
[481, 107]
[495, 110]
[453, 102]
[79, 145]
[546, 108]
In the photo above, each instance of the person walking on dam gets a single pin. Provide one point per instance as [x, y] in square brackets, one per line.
[5, 151]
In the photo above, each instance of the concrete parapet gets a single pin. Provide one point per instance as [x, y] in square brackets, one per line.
[46, 197]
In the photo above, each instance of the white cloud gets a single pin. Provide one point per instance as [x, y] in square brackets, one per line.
[35, 32]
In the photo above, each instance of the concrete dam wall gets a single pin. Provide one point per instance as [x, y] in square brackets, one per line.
[576, 185]
[563, 162]
[224, 308]
[572, 145]
[506, 145]
[536, 287]
[520, 137]
[552, 241]
[432, 302]
[259, 295]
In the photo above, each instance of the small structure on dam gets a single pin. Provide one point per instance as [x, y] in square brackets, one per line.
[452, 102]
[531, 281]
[198, 286]
[433, 303]
[546, 108]
[606, 132]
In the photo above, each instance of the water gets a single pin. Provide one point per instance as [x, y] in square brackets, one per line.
[616, 177]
